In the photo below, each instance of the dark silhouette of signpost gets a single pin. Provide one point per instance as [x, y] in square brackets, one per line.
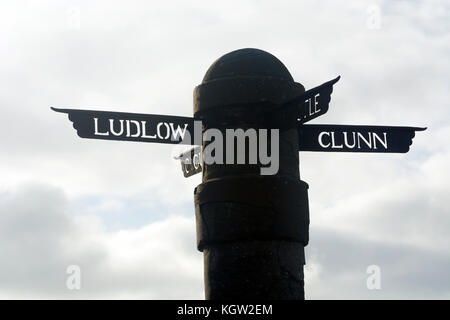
[251, 227]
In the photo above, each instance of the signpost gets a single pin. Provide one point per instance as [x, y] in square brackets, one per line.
[244, 219]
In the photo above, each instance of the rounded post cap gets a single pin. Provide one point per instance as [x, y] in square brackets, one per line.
[245, 76]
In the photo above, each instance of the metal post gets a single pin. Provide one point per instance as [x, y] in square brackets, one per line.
[251, 228]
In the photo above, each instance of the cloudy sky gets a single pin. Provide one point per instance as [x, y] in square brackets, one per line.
[123, 212]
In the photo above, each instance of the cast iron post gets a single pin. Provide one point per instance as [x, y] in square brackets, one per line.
[251, 228]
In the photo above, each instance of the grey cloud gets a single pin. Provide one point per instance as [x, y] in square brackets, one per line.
[407, 272]
[40, 237]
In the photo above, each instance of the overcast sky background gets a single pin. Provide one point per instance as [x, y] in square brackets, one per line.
[123, 211]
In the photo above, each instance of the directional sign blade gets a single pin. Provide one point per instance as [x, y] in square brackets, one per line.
[311, 104]
[341, 138]
[124, 126]
[191, 161]
[315, 101]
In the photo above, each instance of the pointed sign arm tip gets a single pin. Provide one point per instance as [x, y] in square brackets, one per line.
[336, 79]
[331, 82]
[60, 110]
[196, 149]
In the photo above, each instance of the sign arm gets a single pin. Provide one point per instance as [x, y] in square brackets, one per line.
[350, 138]
[107, 125]
[309, 105]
